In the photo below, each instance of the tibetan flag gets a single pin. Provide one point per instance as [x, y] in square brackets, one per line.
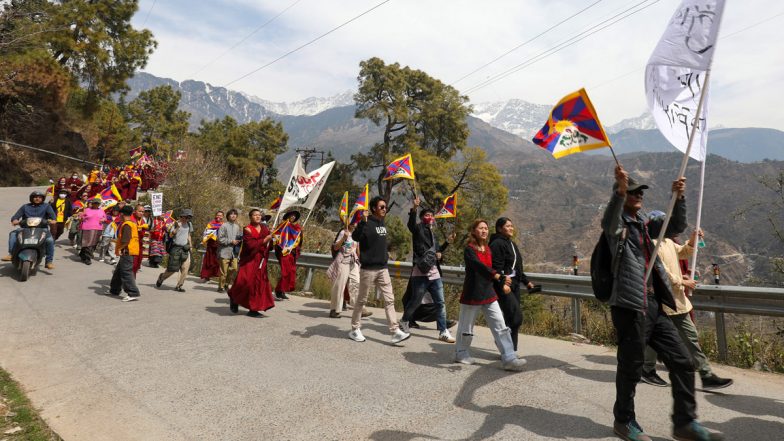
[287, 237]
[211, 231]
[109, 196]
[168, 220]
[276, 203]
[401, 168]
[360, 205]
[343, 213]
[449, 209]
[135, 152]
[572, 127]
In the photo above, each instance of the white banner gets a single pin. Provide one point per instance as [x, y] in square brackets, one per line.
[303, 188]
[156, 202]
[675, 75]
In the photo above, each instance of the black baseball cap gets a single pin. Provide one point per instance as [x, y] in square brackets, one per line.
[633, 186]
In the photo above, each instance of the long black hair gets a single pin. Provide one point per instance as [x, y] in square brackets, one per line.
[500, 223]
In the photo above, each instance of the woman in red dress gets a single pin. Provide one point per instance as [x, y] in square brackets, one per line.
[252, 289]
[209, 265]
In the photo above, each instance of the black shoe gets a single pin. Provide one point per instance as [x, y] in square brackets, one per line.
[158, 282]
[233, 307]
[345, 308]
[714, 382]
[88, 262]
[179, 289]
[254, 314]
[653, 379]
[334, 314]
[220, 289]
[694, 431]
[450, 323]
[413, 324]
[281, 296]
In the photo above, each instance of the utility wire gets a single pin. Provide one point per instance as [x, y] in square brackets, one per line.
[306, 44]
[148, 13]
[563, 45]
[244, 39]
[525, 42]
[46, 151]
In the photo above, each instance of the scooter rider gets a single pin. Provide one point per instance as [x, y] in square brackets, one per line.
[36, 208]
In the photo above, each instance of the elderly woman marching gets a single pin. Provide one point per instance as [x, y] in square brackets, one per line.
[344, 269]
[479, 296]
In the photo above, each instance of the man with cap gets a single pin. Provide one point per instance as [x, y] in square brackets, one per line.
[138, 217]
[36, 208]
[126, 248]
[61, 204]
[179, 250]
[288, 257]
[637, 315]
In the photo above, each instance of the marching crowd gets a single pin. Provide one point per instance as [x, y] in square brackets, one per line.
[652, 320]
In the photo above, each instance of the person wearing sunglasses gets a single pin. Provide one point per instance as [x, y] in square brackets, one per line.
[371, 234]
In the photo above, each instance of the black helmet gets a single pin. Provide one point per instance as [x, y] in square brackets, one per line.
[37, 193]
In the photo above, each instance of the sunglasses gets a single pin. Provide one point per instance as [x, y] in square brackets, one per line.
[382, 207]
[636, 193]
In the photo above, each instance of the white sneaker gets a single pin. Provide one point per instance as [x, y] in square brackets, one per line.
[446, 336]
[129, 299]
[112, 262]
[514, 364]
[464, 360]
[356, 335]
[404, 327]
[399, 336]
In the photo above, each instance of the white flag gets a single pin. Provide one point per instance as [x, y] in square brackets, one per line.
[303, 188]
[675, 75]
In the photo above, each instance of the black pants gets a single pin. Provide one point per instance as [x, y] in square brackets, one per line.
[634, 330]
[123, 278]
[513, 313]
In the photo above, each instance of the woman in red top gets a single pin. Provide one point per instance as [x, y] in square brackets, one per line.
[479, 296]
[252, 289]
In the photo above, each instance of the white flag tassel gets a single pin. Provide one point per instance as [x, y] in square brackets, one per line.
[676, 84]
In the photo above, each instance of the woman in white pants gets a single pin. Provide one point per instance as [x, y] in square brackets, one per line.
[344, 269]
[479, 296]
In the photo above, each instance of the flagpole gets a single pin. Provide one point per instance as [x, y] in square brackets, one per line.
[699, 216]
[681, 173]
[613, 153]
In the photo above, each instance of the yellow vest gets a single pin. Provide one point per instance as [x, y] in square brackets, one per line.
[133, 245]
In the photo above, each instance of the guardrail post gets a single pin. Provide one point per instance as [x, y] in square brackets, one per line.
[721, 336]
[577, 316]
[308, 280]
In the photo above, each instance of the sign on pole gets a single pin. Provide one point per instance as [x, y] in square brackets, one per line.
[156, 201]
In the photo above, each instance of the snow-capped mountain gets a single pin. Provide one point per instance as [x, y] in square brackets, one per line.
[308, 106]
[515, 116]
[642, 122]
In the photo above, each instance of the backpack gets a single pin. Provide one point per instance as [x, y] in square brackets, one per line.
[334, 251]
[604, 267]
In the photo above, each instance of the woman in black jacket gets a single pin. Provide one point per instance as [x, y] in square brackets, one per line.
[479, 296]
[509, 263]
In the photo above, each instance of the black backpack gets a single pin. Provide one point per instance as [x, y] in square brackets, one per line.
[603, 267]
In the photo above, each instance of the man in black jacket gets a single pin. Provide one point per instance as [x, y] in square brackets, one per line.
[637, 312]
[426, 274]
[371, 234]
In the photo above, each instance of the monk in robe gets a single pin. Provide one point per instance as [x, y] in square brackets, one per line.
[210, 267]
[288, 258]
[251, 289]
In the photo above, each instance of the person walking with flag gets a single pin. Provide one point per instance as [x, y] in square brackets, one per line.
[252, 290]
[179, 251]
[479, 296]
[157, 246]
[344, 269]
[371, 234]
[210, 267]
[426, 274]
[62, 209]
[287, 252]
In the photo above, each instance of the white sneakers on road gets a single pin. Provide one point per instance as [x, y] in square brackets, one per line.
[356, 335]
[398, 336]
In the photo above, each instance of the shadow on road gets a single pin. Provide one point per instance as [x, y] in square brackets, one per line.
[397, 435]
[609, 360]
[747, 428]
[750, 405]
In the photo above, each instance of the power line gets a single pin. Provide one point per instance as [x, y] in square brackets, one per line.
[244, 39]
[47, 151]
[148, 13]
[525, 42]
[306, 44]
[563, 45]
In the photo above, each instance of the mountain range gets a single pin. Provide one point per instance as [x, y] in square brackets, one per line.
[556, 204]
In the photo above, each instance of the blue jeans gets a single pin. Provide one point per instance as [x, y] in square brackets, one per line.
[420, 285]
[49, 244]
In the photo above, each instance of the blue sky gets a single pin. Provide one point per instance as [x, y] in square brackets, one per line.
[450, 38]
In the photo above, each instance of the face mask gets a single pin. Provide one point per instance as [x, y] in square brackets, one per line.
[74, 177]
[62, 196]
[429, 221]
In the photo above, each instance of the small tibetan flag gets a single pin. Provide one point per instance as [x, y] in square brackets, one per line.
[572, 127]
[343, 213]
[135, 152]
[449, 209]
[401, 168]
[360, 205]
[167, 218]
[276, 203]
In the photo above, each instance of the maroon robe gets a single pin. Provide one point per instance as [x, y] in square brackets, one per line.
[209, 264]
[288, 266]
[251, 289]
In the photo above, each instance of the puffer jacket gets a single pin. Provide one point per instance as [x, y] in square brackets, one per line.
[629, 291]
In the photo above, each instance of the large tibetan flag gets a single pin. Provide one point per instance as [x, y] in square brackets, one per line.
[287, 236]
[401, 168]
[675, 77]
[135, 152]
[276, 203]
[572, 127]
[211, 231]
[343, 212]
[360, 205]
[449, 209]
[109, 196]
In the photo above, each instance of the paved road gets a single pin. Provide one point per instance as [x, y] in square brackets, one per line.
[179, 366]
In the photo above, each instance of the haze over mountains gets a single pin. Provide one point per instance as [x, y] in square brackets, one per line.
[556, 203]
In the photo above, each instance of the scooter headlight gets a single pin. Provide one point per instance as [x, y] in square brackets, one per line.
[33, 221]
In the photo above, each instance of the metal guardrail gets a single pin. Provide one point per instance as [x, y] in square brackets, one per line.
[715, 298]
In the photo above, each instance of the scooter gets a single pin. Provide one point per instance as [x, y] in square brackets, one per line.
[30, 248]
